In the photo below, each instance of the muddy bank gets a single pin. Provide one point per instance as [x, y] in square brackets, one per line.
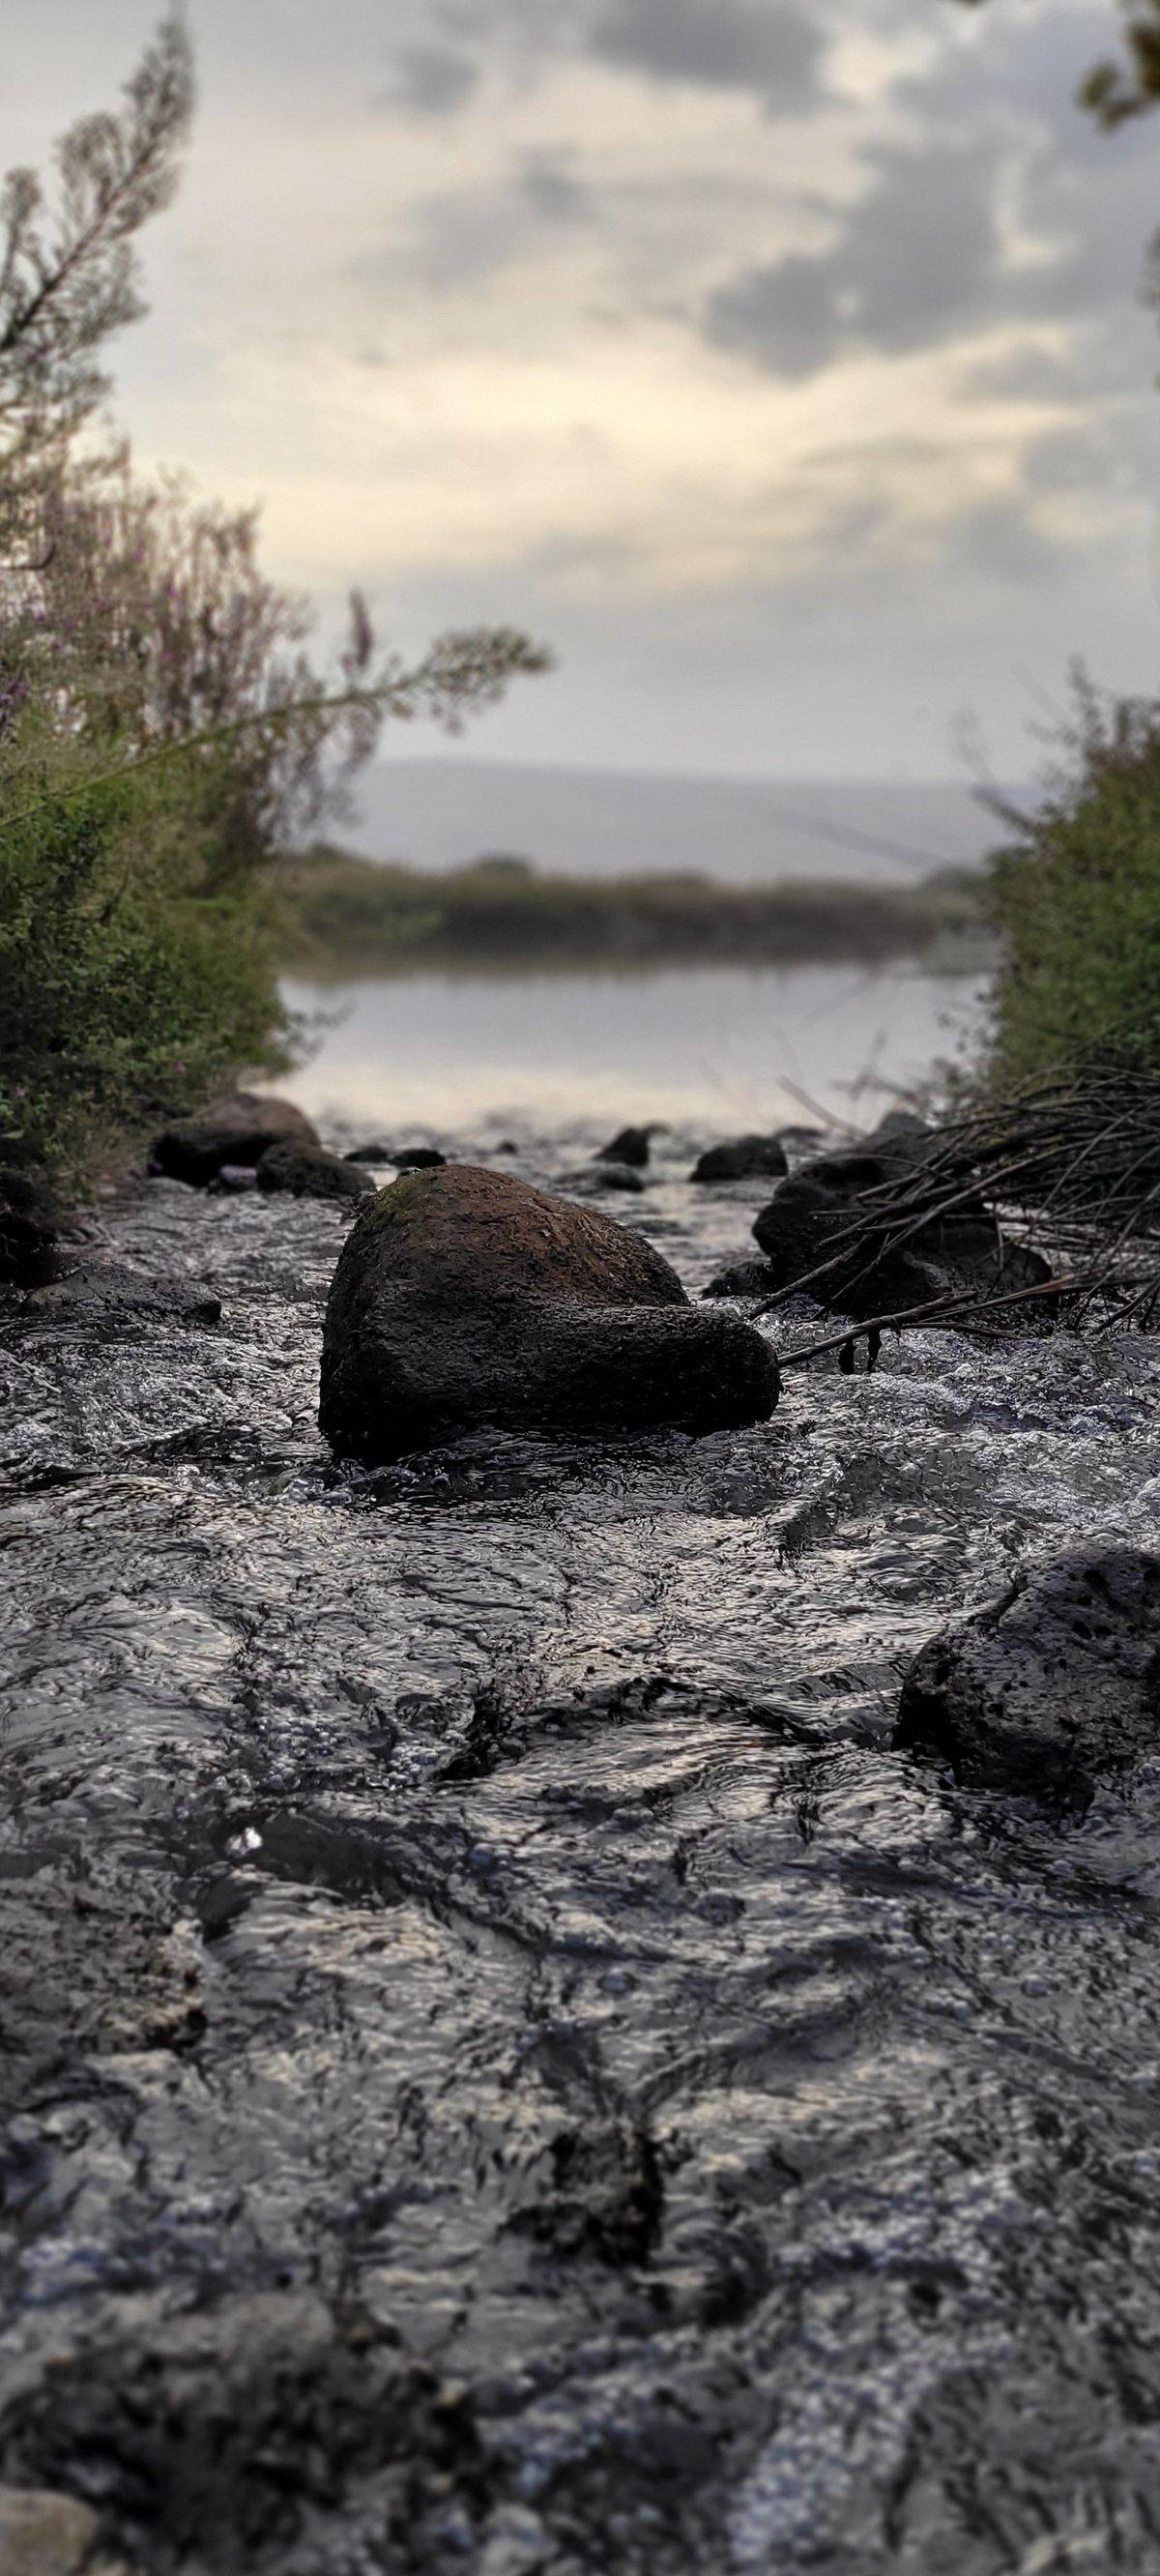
[505, 2068]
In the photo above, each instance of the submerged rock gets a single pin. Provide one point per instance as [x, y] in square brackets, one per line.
[235, 1129]
[107, 1293]
[309, 1172]
[1057, 1679]
[742, 1158]
[823, 1215]
[417, 1158]
[464, 1297]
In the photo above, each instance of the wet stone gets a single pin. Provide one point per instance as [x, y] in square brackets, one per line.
[742, 1158]
[1053, 1682]
[235, 1129]
[305, 1171]
[464, 1296]
[107, 1293]
[630, 1146]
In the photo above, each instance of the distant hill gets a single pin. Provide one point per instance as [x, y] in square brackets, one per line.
[445, 811]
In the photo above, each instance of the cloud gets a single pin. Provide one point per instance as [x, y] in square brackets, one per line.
[768, 46]
[553, 192]
[917, 259]
[463, 236]
[433, 80]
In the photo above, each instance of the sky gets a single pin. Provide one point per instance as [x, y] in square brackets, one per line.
[782, 363]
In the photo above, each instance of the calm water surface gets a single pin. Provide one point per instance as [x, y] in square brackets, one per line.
[716, 1047]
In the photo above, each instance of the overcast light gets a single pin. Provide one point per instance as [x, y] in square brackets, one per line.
[783, 365]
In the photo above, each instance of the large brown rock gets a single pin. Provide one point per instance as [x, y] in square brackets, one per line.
[464, 1297]
[236, 1129]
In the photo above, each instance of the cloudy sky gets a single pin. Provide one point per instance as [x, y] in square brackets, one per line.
[781, 361]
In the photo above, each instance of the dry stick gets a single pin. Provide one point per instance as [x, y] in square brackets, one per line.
[856, 1230]
[942, 1307]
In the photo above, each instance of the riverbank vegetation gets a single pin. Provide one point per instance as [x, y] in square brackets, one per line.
[345, 916]
[1075, 898]
[163, 731]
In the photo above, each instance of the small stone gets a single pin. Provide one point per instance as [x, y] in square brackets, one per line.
[743, 1279]
[306, 1171]
[235, 1129]
[42, 2534]
[743, 1158]
[630, 1146]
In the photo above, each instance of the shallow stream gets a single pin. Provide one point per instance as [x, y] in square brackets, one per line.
[505, 2069]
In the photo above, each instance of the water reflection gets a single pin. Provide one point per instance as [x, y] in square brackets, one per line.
[718, 1047]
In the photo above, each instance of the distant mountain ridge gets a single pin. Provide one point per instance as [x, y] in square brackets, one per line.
[444, 811]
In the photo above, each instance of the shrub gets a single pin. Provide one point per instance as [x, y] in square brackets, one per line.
[135, 976]
[1077, 900]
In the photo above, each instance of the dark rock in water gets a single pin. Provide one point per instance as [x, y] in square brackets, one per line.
[29, 1221]
[1054, 1681]
[310, 1173]
[630, 1146]
[507, 1145]
[598, 1177]
[813, 1216]
[417, 1158]
[465, 1297]
[215, 2430]
[744, 1279]
[105, 1292]
[235, 1129]
[744, 1157]
[377, 1153]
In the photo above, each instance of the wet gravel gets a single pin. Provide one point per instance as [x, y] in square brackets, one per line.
[503, 2068]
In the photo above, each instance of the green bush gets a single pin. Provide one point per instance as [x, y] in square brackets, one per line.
[1077, 901]
[136, 975]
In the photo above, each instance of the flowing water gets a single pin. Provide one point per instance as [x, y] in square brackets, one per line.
[506, 2069]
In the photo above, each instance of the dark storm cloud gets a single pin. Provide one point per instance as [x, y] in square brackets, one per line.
[433, 80]
[769, 46]
[913, 262]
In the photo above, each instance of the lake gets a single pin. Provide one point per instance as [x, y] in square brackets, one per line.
[718, 1049]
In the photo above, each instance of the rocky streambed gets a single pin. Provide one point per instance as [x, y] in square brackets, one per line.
[505, 2067]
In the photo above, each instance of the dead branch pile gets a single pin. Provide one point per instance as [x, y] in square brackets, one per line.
[1069, 1170]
